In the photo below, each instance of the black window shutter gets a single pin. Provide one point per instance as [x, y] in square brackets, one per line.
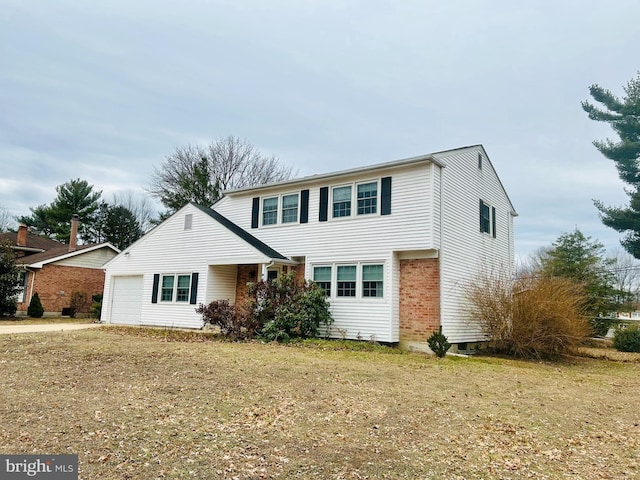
[304, 206]
[493, 220]
[255, 211]
[385, 196]
[324, 204]
[156, 284]
[194, 288]
[481, 205]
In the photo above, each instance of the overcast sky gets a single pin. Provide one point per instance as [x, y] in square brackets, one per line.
[103, 91]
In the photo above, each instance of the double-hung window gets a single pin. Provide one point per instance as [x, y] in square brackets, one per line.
[175, 287]
[346, 285]
[372, 280]
[289, 208]
[270, 211]
[322, 277]
[487, 219]
[341, 202]
[358, 280]
[367, 198]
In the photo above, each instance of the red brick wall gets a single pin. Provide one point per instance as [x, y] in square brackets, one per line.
[419, 298]
[299, 269]
[246, 274]
[50, 280]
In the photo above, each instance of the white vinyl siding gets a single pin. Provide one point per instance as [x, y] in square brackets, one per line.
[466, 251]
[93, 259]
[221, 283]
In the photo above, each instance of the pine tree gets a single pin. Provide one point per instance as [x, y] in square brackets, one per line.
[35, 309]
[623, 114]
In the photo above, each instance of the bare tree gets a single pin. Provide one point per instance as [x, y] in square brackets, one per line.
[201, 174]
[6, 220]
[625, 270]
[138, 204]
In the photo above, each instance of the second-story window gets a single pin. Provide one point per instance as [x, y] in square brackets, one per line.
[270, 211]
[367, 198]
[341, 202]
[290, 208]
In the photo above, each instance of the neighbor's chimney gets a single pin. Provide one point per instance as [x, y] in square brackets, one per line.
[21, 239]
[73, 238]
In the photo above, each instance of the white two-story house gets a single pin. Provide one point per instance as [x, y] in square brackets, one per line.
[394, 245]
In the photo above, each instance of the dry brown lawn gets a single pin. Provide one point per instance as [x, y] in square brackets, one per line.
[145, 408]
[41, 321]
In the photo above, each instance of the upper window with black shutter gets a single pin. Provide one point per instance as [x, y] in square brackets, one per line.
[487, 219]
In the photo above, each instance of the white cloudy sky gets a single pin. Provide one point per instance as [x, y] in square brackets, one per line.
[103, 91]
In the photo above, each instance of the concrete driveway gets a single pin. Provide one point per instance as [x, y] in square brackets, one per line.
[47, 327]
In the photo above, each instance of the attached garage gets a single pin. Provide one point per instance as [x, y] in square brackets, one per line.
[126, 300]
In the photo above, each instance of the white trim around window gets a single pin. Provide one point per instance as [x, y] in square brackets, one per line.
[281, 209]
[175, 287]
[356, 199]
[351, 280]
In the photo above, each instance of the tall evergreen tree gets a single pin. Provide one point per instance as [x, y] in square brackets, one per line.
[115, 224]
[578, 257]
[75, 196]
[623, 114]
[9, 287]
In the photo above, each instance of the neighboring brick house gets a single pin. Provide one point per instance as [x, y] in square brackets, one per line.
[54, 270]
[393, 245]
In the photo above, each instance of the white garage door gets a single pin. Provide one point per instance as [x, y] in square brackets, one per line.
[126, 300]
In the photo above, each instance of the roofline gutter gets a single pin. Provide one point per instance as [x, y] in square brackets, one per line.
[352, 171]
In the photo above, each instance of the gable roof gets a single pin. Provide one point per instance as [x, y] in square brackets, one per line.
[434, 157]
[61, 252]
[240, 232]
[323, 176]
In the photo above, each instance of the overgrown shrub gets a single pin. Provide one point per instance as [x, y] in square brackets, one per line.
[8, 307]
[78, 303]
[533, 317]
[35, 308]
[96, 306]
[234, 321]
[285, 308]
[438, 343]
[627, 339]
[275, 310]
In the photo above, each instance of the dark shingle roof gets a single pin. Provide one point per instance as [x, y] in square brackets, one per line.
[59, 251]
[240, 232]
[33, 241]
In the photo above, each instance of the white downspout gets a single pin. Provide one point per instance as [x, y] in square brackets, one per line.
[265, 269]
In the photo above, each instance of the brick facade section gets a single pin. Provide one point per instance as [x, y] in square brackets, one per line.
[419, 298]
[246, 274]
[52, 279]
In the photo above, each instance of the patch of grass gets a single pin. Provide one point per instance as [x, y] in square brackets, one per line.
[42, 320]
[142, 407]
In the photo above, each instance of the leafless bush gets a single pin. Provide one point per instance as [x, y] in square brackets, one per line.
[530, 317]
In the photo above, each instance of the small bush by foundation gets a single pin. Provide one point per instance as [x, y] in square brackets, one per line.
[35, 308]
[438, 343]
